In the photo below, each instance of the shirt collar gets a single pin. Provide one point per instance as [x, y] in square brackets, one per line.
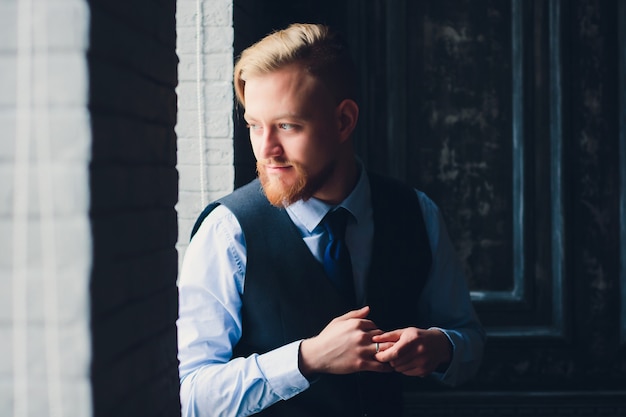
[311, 212]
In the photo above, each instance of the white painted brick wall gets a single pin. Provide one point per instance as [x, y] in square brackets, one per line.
[205, 153]
[45, 242]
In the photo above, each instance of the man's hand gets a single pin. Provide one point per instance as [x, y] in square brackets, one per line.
[413, 351]
[344, 346]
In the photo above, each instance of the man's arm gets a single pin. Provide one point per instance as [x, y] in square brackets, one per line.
[209, 325]
[449, 339]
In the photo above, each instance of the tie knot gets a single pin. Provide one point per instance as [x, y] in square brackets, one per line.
[336, 221]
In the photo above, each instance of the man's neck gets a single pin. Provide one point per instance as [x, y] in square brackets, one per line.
[341, 184]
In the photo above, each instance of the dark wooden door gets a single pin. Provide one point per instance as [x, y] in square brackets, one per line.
[511, 116]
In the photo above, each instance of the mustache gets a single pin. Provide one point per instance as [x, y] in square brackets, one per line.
[274, 162]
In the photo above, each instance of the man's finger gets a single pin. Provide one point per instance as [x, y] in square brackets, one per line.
[378, 347]
[361, 313]
[388, 355]
[392, 336]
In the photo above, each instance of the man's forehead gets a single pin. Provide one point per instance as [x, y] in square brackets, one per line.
[284, 115]
[285, 93]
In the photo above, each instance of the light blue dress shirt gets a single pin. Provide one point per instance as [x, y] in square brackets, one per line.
[212, 282]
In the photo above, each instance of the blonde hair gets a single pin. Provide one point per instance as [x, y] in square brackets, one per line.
[322, 52]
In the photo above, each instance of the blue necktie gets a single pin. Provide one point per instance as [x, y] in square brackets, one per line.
[337, 261]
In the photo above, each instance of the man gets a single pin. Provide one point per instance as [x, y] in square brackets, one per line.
[262, 328]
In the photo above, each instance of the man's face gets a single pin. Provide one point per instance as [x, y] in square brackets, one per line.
[294, 131]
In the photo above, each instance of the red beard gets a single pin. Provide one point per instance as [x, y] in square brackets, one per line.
[281, 194]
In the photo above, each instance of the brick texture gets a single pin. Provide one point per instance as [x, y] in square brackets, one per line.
[134, 187]
[205, 108]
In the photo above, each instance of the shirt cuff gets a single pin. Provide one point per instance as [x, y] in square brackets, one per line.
[280, 368]
[447, 376]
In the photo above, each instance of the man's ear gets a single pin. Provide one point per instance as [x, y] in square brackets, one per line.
[347, 116]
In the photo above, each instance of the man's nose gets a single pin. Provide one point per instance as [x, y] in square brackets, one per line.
[270, 145]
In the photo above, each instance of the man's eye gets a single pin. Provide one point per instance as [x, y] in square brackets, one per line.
[286, 126]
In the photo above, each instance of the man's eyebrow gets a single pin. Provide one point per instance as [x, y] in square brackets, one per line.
[293, 116]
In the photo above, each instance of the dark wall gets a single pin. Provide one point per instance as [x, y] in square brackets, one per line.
[506, 115]
[596, 190]
[133, 180]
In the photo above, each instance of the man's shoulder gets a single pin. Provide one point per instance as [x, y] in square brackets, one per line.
[248, 203]
[391, 187]
[244, 194]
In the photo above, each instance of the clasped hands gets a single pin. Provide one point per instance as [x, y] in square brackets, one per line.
[348, 344]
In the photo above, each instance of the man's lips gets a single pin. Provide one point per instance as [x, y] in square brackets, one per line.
[276, 167]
